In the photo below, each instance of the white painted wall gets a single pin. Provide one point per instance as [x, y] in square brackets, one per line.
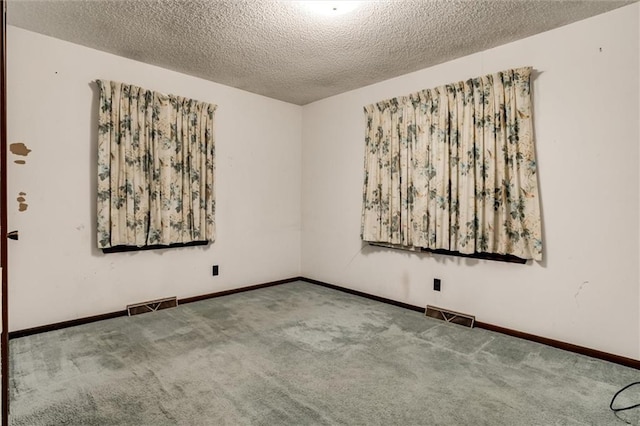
[56, 272]
[586, 105]
[586, 109]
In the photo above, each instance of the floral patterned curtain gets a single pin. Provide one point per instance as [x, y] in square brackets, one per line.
[454, 168]
[155, 168]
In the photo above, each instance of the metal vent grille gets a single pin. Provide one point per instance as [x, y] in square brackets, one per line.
[450, 316]
[152, 306]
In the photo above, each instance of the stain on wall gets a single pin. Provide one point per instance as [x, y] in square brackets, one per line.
[22, 205]
[20, 149]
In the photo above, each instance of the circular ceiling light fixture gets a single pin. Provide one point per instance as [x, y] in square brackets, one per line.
[330, 8]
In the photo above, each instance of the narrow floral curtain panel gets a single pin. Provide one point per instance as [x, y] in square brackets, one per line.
[156, 161]
[454, 168]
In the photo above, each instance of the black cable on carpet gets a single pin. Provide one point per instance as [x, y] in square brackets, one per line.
[617, 410]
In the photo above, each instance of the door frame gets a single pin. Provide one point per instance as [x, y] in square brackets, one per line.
[4, 336]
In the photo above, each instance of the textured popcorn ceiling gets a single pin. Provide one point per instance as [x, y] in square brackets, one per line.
[283, 50]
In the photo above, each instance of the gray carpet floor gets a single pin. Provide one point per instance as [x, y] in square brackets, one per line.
[301, 354]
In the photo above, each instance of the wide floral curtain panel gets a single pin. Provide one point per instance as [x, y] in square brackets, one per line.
[156, 160]
[454, 168]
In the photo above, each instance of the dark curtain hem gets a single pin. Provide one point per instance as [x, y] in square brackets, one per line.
[478, 255]
[121, 249]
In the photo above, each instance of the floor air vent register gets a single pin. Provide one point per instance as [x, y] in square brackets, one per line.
[152, 306]
[450, 316]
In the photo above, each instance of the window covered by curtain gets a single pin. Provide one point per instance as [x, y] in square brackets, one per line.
[454, 168]
[155, 168]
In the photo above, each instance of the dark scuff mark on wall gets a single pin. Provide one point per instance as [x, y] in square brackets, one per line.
[19, 161]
